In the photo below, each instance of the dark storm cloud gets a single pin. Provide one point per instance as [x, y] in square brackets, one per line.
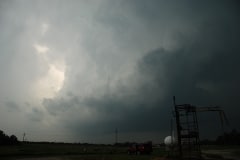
[57, 106]
[121, 62]
[202, 70]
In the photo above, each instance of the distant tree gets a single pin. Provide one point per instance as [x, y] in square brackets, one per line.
[13, 139]
[6, 140]
[3, 138]
[231, 138]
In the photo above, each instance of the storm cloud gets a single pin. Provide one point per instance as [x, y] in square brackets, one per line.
[76, 70]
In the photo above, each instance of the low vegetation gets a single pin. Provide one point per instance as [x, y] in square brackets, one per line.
[84, 151]
[8, 140]
[11, 148]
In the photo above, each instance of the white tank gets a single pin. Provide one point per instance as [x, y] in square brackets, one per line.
[169, 141]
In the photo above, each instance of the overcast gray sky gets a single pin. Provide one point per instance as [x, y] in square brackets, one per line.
[74, 71]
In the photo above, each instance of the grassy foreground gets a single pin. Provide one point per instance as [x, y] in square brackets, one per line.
[72, 152]
[37, 151]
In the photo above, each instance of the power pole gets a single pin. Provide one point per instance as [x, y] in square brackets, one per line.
[116, 136]
[24, 134]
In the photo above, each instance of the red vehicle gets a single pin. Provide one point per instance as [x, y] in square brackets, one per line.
[143, 148]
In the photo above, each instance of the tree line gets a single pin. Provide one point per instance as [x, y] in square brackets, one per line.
[228, 138]
[231, 138]
[8, 140]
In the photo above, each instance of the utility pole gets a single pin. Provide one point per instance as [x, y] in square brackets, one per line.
[24, 134]
[116, 136]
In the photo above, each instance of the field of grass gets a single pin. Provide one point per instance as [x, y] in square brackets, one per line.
[48, 151]
[221, 151]
[71, 151]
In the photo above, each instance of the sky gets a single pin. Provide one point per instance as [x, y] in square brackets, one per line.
[75, 70]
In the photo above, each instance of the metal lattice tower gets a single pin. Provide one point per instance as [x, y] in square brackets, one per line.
[187, 128]
[187, 131]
